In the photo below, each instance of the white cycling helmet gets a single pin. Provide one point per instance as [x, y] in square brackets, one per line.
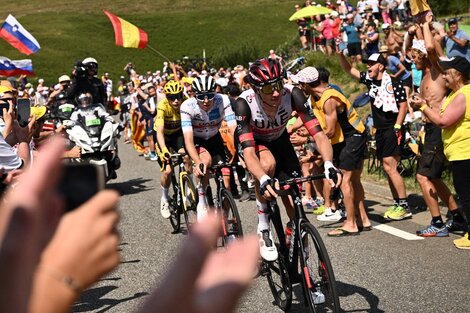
[203, 84]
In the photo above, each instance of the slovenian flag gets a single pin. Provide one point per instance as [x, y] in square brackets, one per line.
[16, 67]
[126, 34]
[18, 36]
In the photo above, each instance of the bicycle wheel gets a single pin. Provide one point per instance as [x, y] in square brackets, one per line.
[277, 272]
[232, 223]
[318, 276]
[189, 201]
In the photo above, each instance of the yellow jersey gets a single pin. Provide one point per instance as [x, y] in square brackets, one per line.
[168, 117]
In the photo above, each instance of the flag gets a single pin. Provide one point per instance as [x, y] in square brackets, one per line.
[16, 67]
[126, 34]
[18, 37]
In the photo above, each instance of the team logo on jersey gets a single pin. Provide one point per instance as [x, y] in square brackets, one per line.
[197, 117]
[214, 114]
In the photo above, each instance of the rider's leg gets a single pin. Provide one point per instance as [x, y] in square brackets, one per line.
[203, 205]
[268, 163]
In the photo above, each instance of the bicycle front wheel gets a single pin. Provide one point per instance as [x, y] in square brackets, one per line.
[318, 276]
[189, 201]
[175, 210]
[232, 224]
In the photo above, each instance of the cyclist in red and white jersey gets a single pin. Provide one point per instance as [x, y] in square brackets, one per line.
[262, 113]
[201, 117]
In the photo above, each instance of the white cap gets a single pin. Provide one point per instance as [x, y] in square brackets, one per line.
[307, 75]
[64, 78]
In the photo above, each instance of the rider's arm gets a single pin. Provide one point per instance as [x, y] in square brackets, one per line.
[159, 127]
[187, 128]
[229, 115]
[313, 126]
[246, 138]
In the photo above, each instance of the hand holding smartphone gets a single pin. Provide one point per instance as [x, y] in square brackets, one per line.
[23, 111]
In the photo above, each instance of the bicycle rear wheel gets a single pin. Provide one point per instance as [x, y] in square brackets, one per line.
[318, 276]
[232, 224]
[277, 272]
[189, 201]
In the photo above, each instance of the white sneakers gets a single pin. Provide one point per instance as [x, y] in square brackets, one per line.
[330, 216]
[267, 248]
[165, 208]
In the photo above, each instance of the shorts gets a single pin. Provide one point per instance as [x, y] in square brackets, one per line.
[387, 143]
[287, 162]
[408, 82]
[330, 42]
[432, 161]
[215, 147]
[149, 131]
[174, 142]
[354, 49]
[353, 153]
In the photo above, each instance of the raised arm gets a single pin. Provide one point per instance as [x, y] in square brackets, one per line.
[353, 72]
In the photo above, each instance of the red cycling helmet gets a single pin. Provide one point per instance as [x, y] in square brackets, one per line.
[265, 71]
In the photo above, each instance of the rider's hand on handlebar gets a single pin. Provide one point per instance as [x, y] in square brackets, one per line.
[200, 169]
[333, 175]
[266, 188]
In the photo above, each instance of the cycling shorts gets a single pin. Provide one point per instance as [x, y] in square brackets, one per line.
[215, 147]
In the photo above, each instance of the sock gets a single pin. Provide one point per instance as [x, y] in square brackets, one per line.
[437, 221]
[263, 220]
[395, 202]
[456, 216]
[164, 193]
[202, 196]
[403, 203]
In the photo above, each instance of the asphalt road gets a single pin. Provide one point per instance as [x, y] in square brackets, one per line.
[376, 271]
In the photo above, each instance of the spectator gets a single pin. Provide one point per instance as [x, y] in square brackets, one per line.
[385, 10]
[354, 42]
[393, 39]
[455, 40]
[326, 29]
[371, 38]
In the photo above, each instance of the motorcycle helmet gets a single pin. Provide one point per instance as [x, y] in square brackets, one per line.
[91, 63]
[84, 100]
[265, 71]
[61, 98]
[172, 87]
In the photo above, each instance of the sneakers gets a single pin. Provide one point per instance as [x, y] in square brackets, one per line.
[330, 216]
[147, 155]
[319, 210]
[165, 208]
[267, 248]
[389, 210]
[462, 243]
[398, 213]
[456, 226]
[202, 211]
[245, 196]
[433, 231]
[153, 156]
[309, 204]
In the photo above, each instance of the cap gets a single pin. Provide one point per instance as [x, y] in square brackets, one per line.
[38, 111]
[418, 44]
[307, 75]
[376, 58]
[452, 21]
[383, 49]
[3, 90]
[64, 78]
[385, 26]
[334, 13]
[458, 63]
[106, 74]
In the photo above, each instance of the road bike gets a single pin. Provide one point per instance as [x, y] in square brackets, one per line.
[182, 194]
[303, 248]
[224, 204]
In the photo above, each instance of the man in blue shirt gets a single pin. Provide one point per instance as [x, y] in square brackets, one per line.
[455, 41]
[354, 42]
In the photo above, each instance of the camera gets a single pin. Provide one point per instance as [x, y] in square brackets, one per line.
[80, 70]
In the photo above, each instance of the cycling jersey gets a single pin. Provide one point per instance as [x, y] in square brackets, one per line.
[204, 124]
[168, 117]
[255, 125]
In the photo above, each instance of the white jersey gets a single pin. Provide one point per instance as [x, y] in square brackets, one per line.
[206, 124]
[264, 127]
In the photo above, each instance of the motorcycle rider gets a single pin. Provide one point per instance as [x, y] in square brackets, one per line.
[85, 80]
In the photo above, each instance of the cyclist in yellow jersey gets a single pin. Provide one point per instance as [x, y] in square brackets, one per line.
[169, 135]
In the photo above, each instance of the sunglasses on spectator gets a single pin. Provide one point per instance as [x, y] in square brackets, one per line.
[172, 98]
[269, 89]
[203, 96]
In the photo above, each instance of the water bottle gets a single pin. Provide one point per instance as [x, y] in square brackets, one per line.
[318, 297]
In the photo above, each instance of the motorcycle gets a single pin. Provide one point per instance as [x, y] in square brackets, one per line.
[97, 138]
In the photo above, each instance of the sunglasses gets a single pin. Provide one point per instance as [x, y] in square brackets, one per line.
[269, 89]
[172, 98]
[203, 96]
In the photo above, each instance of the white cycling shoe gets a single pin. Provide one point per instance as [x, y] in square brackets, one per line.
[165, 208]
[267, 248]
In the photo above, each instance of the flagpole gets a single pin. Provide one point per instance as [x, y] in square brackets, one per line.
[158, 52]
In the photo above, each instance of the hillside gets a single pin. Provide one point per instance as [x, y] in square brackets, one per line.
[72, 30]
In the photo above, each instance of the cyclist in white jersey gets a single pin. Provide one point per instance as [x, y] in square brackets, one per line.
[262, 140]
[201, 117]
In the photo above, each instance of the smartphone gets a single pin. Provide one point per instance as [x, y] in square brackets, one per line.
[4, 105]
[23, 111]
[80, 182]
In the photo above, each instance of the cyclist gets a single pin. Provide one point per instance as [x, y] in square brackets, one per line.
[201, 117]
[262, 113]
[169, 135]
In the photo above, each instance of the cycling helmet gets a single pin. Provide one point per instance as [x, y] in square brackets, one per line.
[203, 84]
[84, 100]
[172, 87]
[265, 71]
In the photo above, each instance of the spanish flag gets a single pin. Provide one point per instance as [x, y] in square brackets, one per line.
[126, 34]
